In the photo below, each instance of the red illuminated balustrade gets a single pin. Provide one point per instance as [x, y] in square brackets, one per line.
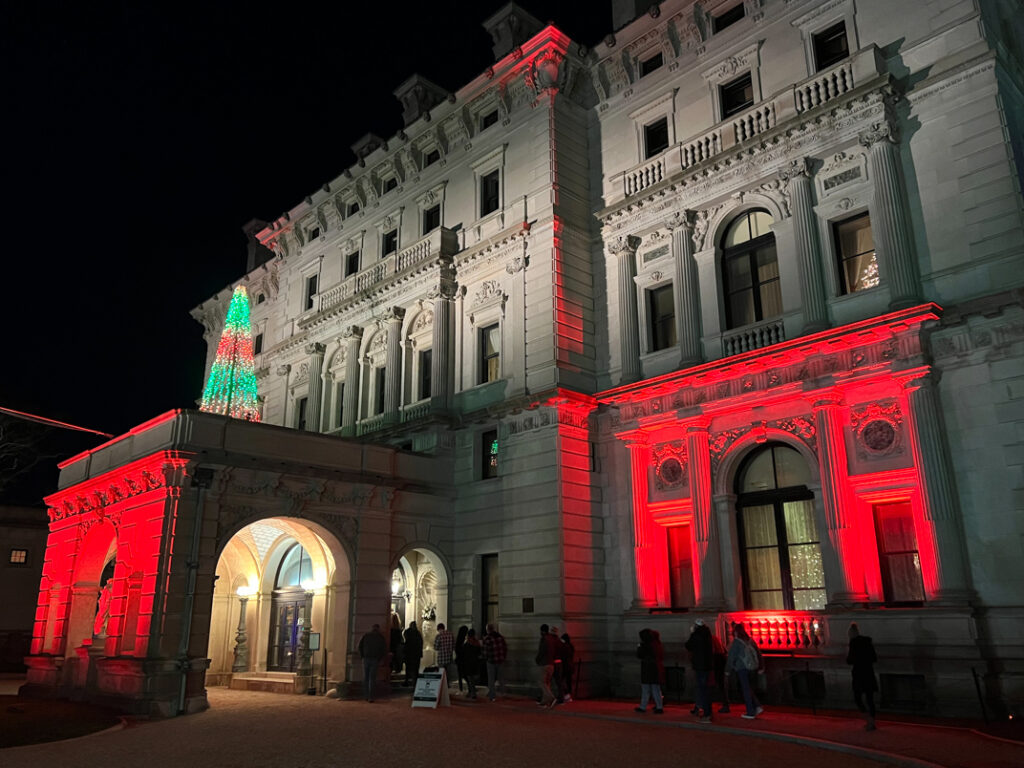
[790, 631]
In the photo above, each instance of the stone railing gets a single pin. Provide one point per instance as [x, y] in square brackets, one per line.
[439, 242]
[752, 337]
[771, 113]
[416, 411]
[371, 424]
[793, 631]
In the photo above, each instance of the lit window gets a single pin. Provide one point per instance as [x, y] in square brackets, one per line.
[19, 556]
[352, 263]
[489, 192]
[649, 65]
[661, 313]
[490, 354]
[855, 251]
[655, 137]
[389, 243]
[431, 157]
[898, 555]
[311, 288]
[257, 344]
[830, 46]
[390, 184]
[431, 218]
[425, 361]
[728, 18]
[750, 270]
[736, 95]
[489, 451]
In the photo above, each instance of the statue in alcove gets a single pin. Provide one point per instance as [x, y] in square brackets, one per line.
[99, 626]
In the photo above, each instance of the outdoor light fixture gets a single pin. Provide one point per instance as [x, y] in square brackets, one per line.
[241, 639]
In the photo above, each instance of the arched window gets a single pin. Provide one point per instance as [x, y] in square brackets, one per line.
[750, 270]
[779, 546]
[295, 568]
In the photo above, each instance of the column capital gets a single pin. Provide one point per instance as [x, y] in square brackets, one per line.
[517, 264]
[445, 289]
[316, 348]
[798, 169]
[921, 378]
[394, 315]
[682, 220]
[698, 425]
[881, 132]
[824, 400]
[283, 370]
[352, 332]
[624, 245]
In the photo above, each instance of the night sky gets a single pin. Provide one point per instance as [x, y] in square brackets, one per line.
[139, 140]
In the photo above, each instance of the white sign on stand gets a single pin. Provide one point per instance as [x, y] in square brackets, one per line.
[431, 690]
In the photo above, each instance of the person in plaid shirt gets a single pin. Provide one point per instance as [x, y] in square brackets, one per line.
[444, 647]
[495, 652]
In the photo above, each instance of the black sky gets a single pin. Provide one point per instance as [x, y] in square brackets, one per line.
[140, 137]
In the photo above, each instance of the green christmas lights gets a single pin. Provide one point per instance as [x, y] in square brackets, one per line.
[231, 387]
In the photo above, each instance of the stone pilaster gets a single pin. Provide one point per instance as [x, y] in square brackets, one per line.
[808, 249]
[687, 289]
[650, 553]
[941, 503]
[351, 338]
[706, 555]
[889, 221]
[316, 386]
[442, 362]
[393, 381]
[624, 249]
[843, 565]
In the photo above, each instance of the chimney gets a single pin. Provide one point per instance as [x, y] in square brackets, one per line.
[509, 28]
[418, 95]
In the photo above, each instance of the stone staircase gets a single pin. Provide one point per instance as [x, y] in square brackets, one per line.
[269, 682]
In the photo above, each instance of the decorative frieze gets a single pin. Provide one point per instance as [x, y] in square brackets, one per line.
[670, 463]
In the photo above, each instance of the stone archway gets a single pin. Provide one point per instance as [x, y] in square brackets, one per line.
[424, 579]
[248, 571]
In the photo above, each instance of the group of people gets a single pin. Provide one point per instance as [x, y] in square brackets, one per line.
[713, 665]
[555, 658]
[465, 658]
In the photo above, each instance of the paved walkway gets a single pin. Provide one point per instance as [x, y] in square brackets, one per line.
[259, 729]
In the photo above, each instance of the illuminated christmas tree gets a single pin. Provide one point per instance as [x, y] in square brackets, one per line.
[231, 388]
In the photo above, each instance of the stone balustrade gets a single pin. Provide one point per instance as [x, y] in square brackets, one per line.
[752, 337]
[824, 87]
[758, 120]
[700, 149]
[792, 631]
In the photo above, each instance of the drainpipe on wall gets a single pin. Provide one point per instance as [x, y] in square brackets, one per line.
[201, 480]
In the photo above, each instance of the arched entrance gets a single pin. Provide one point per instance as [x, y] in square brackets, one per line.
[280, 619]
[419, 592]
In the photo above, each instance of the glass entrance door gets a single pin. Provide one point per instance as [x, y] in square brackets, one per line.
[286, 615]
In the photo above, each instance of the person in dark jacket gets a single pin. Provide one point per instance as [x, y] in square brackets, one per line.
[547, 652]
[652, 670]
[413, 654]
[862, 658]
[470, 661]
[744, 661]
[568, 655]
[396, 643]
[700, 647]
[372, 648]
[460, 642]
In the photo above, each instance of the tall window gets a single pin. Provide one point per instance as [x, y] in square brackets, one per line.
[489, 192]
[855, 251]
[490, 354]
[780, 550]
[680, 567]
[426, 357]
[389, 242]
[651, 64]
[353, 208]
[736, 95]
[301, 406]
[340, 409]
[257, 344]
[311, 287]
[379, 380]
[830, 46]
[750, 270]
[431, 218]
[661, 313]
[489, 119]
[489, 454]
[898, 555]
[431, 157]
[655, 137]
[352, 263]
[489, 593]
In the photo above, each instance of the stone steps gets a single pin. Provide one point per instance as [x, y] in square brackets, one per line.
[269, 682]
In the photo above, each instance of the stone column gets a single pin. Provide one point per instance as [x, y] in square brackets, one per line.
[316, 385]
[649, 559]
[725, 515]
[808, 249]
[442, 357]
[938, 491]
[687, 289]
[706, 555]
[352, 337]
[624, 248]
[889, 220]
[846, 580]
[393, 381]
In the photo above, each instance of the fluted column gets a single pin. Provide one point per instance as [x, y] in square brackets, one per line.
[650, 551]
[393, 375]
[949, 582]
[352, 337]
[889, 220]
[808, 250]
[687, 289]
[315, 396]
[844, 565]
[442, 359]
[728, 546]
[624, 249]
[706, 555]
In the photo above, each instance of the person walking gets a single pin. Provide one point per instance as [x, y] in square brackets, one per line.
[652, 670]
[699, 646]
[862, 658]
[495, 651]
[372, 648]
[396, 643]
[460, 642]
[413, 654]
[568, 656]
[444, 648]
[470, 664]
[547, 652]
[556, 674]
[744, 661]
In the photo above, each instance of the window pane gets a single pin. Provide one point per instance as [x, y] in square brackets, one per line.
[662, 318]
[737, 272]
[759, 527]
[738, 232]
[771, 300]
[809, 600]
[766, 601]
[767, 264]
[741, 309]
[790, 467]
[904, 578]
[760, 223]
[763, 569]
[490, 335]
[830, 46]
[800, 525]
[655, 137]
[758, 475]
[680, 564]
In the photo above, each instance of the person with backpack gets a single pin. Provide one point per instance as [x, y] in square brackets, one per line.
[700, 647]
[745, 660]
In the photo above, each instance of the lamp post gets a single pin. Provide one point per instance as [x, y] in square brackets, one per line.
[241, 638]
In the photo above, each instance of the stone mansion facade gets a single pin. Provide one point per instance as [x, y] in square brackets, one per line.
[721, 319]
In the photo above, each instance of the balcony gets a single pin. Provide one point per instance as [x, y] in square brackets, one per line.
[784, 106]
[778, 631]
[439, 243]
[752, 337]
